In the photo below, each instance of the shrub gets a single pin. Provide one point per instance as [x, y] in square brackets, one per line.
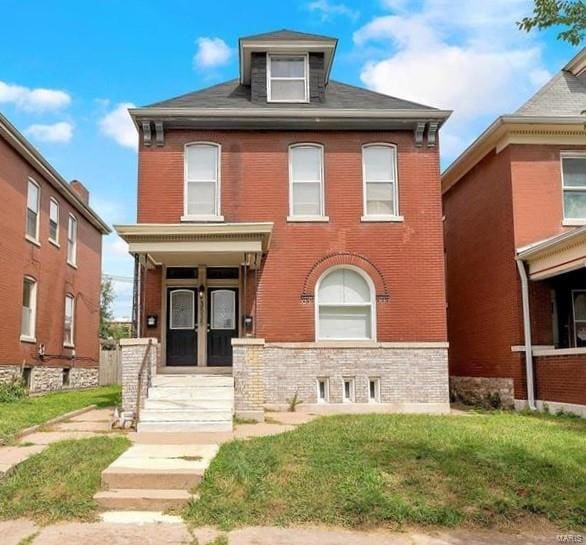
[12, 391]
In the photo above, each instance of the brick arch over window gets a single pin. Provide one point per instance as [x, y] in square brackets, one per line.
[344, 258]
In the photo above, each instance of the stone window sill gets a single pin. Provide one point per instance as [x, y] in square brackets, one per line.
[382, 219]
[27, 339]
[308, 219]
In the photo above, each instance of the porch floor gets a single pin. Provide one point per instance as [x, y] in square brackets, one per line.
[193, 370]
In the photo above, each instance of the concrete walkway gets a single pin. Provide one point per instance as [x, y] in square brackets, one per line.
[178, 534]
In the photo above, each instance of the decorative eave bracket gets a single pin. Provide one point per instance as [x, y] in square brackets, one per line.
[147, 133]
[421, 134]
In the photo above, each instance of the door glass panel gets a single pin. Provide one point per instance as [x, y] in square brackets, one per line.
[223, 309]
[182, 310]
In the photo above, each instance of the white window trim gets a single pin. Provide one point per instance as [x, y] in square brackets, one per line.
[305, 77]
[194, 310]
[395, 216]
[216, 216]
[574, 321]
[305, 217]
[352, 398]
[66, 343]
[570, 155]
[32, 338]
[55, 241]
[376, 398]
[34, 240]
[326, 381]
[372, 305]
[72, 262]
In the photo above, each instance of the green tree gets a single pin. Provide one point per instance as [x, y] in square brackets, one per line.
[570, 15]
[107, 297]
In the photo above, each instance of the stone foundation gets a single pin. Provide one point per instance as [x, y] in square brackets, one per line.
[80, 377]
[132, 354]
[8, 373]
[49, 379]
[483, 391]
[413, 376]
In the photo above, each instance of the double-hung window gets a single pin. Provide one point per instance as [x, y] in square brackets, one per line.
[72, 241]
[54, 221]
[202, 181]
[345, 306]
[306, 176]
[287, 79]
[379, 167]
[69, 321]
[29, 309]
[32, 211]
[574, 186]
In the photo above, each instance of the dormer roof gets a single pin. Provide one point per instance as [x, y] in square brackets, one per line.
[285, 41]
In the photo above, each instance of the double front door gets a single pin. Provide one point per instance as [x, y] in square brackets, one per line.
[186, 331]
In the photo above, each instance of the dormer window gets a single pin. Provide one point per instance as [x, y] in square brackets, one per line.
[287, 78]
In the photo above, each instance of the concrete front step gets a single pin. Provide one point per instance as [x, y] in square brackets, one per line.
[131, 499]
[199, 393]
[203, 381]
[185, 415]
[189, 404]
[199, 426]
[139, 479]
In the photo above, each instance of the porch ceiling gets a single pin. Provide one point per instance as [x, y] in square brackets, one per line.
[556, 255]
[218, 244]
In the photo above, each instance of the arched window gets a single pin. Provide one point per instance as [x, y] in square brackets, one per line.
[345, 305]
[202, 180]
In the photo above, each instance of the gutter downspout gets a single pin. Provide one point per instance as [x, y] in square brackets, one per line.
[527, 334]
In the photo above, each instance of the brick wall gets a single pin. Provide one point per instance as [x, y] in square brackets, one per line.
[255, 187]
[561, 378]
[48, 265]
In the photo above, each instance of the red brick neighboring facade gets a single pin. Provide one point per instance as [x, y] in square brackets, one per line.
[47, 264]
[405, 258]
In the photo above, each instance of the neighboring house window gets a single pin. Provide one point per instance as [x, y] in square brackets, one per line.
[379, 168]
[54, 221]
[574, 183]
[306, 174]
[345, 306]
[287, 79]
[29, 309]
[32, 211]
[202, 180]
[69, 321]
[72, 241]
[579, 307]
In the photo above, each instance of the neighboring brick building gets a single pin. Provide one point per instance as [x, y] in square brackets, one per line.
[515, 212]
[50, 271]
[299, 220]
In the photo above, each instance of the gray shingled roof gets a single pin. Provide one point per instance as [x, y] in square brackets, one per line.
[564, 95]
[231, 94]
[285, 35]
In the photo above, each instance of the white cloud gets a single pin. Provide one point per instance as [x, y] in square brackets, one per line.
[467, 56]
[211, 53]
[118, 126]
[61, 132]
[33, 100]
[328, 10]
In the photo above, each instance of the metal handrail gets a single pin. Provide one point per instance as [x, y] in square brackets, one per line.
[140, 375]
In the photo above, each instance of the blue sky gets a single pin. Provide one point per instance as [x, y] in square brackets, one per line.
[69, 70]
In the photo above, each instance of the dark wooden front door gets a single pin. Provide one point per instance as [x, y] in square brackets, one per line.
[222, 325]
[181, 326]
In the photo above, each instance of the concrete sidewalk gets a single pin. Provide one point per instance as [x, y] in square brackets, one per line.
[178, 534]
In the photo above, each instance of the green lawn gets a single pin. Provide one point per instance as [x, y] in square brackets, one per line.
[59, 483]
[23, 413]
[388, 470]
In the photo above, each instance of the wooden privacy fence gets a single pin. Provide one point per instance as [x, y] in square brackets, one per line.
[110, 368]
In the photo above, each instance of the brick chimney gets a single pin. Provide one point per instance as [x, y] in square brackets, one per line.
[80, 190]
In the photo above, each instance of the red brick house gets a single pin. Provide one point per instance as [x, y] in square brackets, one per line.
[515, 237]
[289, 236]
[49, 272]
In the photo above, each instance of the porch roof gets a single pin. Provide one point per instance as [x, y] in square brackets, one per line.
[183, 244]
[555, 255]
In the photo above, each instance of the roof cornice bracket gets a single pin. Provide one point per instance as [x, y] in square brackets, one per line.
[419, 130]
[159, 133]
[146, 133]
[432, 133]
